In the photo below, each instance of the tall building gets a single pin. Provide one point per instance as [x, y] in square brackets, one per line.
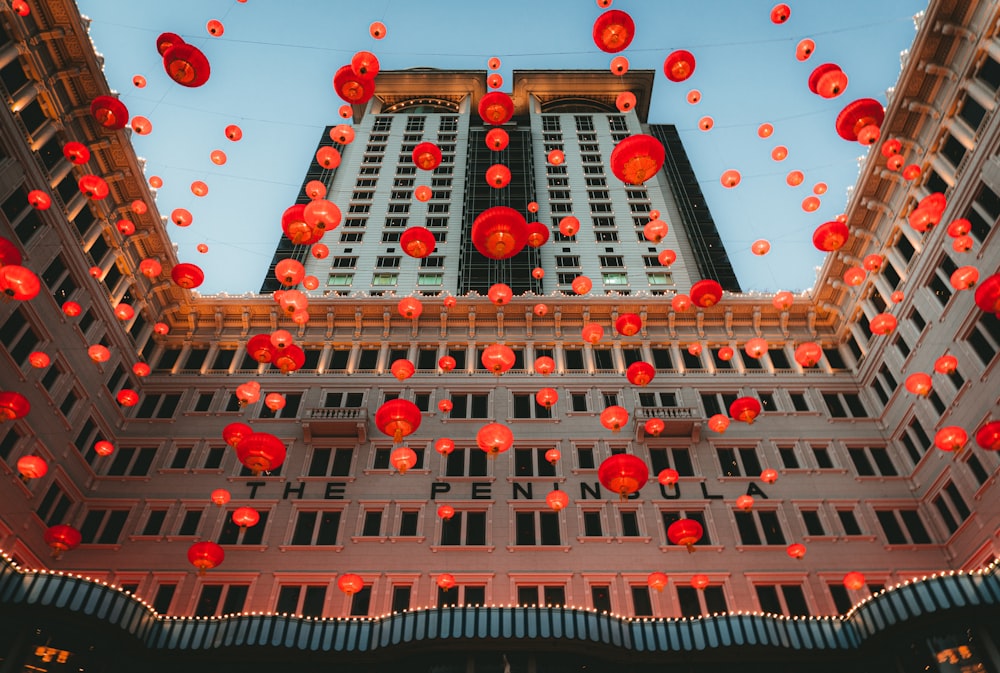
[859, 482]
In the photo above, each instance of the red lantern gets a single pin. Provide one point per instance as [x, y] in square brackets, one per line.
[780, 13]
[628, 324]
[640, 373]
[592, 333]
[261, 452]
[127, 397]
[289, 271]
[685, 532]
[854, 581]
[498, 358]
[680, 303]
[706, 293]
[494, 438]
[556, 157]
[161, 328]
[557, 500]
[410, 308]
[427, 156]
[109, 112]
[290, 359]
[39, 360]
[553, 456]
[446, 512]
[220, 496]
[854, 276]
[498, 176]
[962, 244]
[538, 235]
[398, 418]
[718, 423]
[499, 232]
[796, 550]
[625, 101]
[657, 581]
[946, 364]
[964, 277]
[62, 538]
[541, 310]
[446, 581]
[103, 448]
[402, 369]
[417, 242]
[830, 236]
[882, 324]
[808, 354]
[99, 353]
[655, 231]
[760, 247]
[248, 393]
[94, 187]
[150, 268]
[497, 139]
[745, 409]
[319, 251]
[245, 517]
[186, 65]
[828, 80]
[951, 438]
[377, 30]
[918, 383]
[449, 302]
[500, 294]
[72, 309]
[769, 476]
[274, 401]
[76, 153]
[988, 436]
[700, 581]
[582, 285]
[614, 417]
[446, 363]
[545, 365]
[726, 353]
[613, 31]
[547, 397]
[445, 406]
[205, 556]
[569, 225]
[444, 446]
[496, 108]
[637, 158]
[403, 458]
[679, 65]
[744, 502]
[32, 467]
[39, 200]
[755, 348]
[730, 178]
[783, 300]
[988, 294]
[653, 427]
[668, 476]
[350, 583]
[353, 88]
[187, 276]
[860, 120]
[623, 474]
[124, 312]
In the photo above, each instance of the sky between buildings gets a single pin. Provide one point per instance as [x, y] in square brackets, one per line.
[273, 66]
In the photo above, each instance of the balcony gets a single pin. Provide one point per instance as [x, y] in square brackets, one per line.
[335, 422]
[677, 421]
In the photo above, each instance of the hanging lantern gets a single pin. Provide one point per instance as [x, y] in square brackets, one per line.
[150, 268]
[582, 285]
[830, 236]
[918, 383]
[427, 156]
[235, 432]
[127, 397]
[796, 550]
[220, 497]
[141, 369]
[745, 409]
[654, 427]
[319, 251]
[205, 556]
[186, 65]
[62, 538]
[706, 123]
[261, 452]
[657, 581]
[94, 187]
[245, 517]
[553, 456]
[726, 353]
[860, 120]
[780, 13]
[730, 178]
[274, 401]
[445, 406]
[161, 328]
[498, 176]
[680, 303]
[706, 293]
[946, 364]
[494, 438]
[592, 333]
[402, 369]
[417, 242]
[613, 31]
[187, 276]
[538, 235]
[628, 324]
[39, 200]
[988, 294]
[290, 359]
[686, 532]
[547, 397]
[447, 363]
[545, 365]
[668, 476]
[769, 476]
[497, 139]
[700, 581]
[804, 49]
[410, 307]
[718, 423]
[828, 80]
[962, 244]
[500, 294]
[679, 65]
[556, 157]
[498, 358]
[71, 309]
[444, 446]
[99, 353]
[655, 231]
[109, 112]
[640, 373]
[76, 153]
[756, 347]
[854, 581]
[783, 300]
[623, 473]
[499, 232]
[964, 277]
[854, 276]
[808, 354]
[637, 158]
[446, 512]
[882, 324]
[350, 583]
[248, 393]
[446, 581]
[494, 80]
[104, 448]
[625, 101]
[39, 360]
[261, 348]
[667, 257]
[744, 502]
[449, 302]
[398, 418]
[403, 458]
[32, 467]
[988, 436]
[873, 263]
[569, 225]
[760, 247]
[289, 271]
[951, 438]
[779, 153]
[557, 500]
[352, 88]
[496, 108]
[614, 417]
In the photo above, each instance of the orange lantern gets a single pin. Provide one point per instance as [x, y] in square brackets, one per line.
[220, 496]
[261, 452]
[808, 353]
[398, 418]
[730, 178]
[854, 581]
[350, 583]
[403, 458]
[545, 365]
[205, 556]
[946, 364]
[962, 244]
[499, 232]
[745, 409]
[161, 328]
[657, 581]
[964, 277]
[289, 271]
[655, 231]
[218, 157]
[796, 550]
[680, 303]
[99, 353]
[653, 427]
[827, 80]
[150, 268]
[592, 333]
[70, 308]
[245, 517]
[951, 438]
[668, 476]
[779, 153]
[557, 500]
[547, 397]
[446, 581]
[685, 532]
[755, 347]
[556, 157]
[141, 125]
[141, 369]
[124, 312]
[810, 204]
[494, 438]
[804, 49]
[700, 581]
[32, 467]
[625, 101]
[744, 502]
[127, 397]
[553, 456]
[667, 257]
[402, 369]
[988, 436]
[854, 276]
[319, 251]
[882, 324]
[706, 293]
[444, 446]
[760, 247]
[274, 401]
[445, 406]
[765, 130]
[248, 393]
[447, 363]
[706, 123]
[623, 474]
[873, 263]
[62, 538]
[613, 31]
[640, 373]
[718, 423]
[614, 417]
[769, 476]
[679, 65]
[726, 353]
[582, 285]
[783, 300]
[918, 383]
[780, 13]
[637, 158]
[410, 307]
[498, 358]
[446, 512]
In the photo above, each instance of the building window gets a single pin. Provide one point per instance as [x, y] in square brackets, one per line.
[951, 507]
[131, 462]
[430, 279]
[678, 459]
[812, 522]
[470, 405]
[845, 405]
[902, 526]
[554, 595]
[307, 601]
[849, 521]
[532, 463]
[103, 526]
[642, 605]
[466, 463]
[615, 278]
[738, 462]
[331, 462]
[759, 527]
[782, 599]
[216, 600]
[462, 595]
[695, 603]
[465, 528]
[316, 528]
[660, 278]
[871, 461]
[384, 279]
[536, 528]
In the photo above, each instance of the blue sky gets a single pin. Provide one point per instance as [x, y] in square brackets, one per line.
[272, 70]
